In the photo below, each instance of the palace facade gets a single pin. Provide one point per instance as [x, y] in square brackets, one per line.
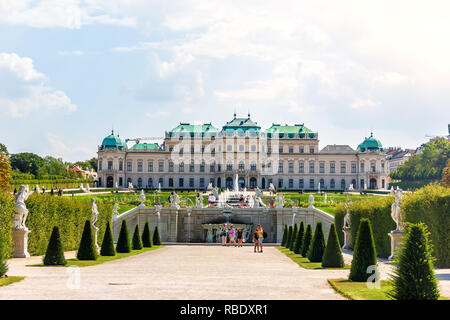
[288, 156]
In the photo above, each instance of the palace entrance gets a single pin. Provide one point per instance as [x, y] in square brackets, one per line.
[109, 182]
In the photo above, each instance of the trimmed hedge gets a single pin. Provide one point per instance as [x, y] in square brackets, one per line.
[123, 243]
[378, 211]
[137, 241]
[156, 237]
[289, 236]
[147, 236]
[55, 252]
[107, 248]
[299, 240]
[293, 238]
[45, 212]
[317, 247]
[431, 205]
[307, 240]
[332, 257]
[87, 250]
[365, 254]
[285, 235]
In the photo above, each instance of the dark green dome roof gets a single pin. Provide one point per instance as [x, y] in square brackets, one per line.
[112, 141]
[370, 144]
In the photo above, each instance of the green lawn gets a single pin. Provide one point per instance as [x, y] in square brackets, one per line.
[5, 281]
[102, 259]
[304, 262]
[360, 291]
[125, 207]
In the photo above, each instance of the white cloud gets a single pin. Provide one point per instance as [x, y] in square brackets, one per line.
[24, 89]
[70, 53]
[59, 149]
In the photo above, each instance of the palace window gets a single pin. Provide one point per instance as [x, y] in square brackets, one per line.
[170, 182]
[100, 165]
[291, 149]
[181, 183]
[253, 167]
[291, 183]
[343, 184]
[301, 167]
[229, 167]
[241, 148]
[120, 165]
[280, 167]
[322, 183]
[170, 166]
[301, 150]
[150, 166]
[140, 183]
[181, 167]
[161, 181]
[191, 167]
[362, 167]
[321, 167]
[253, 148]
[129, 166]
[150, 183]
[229, 147]
[139, 166]
[280, 183]
[301, 183]
[362, 186]
[269, 167]
[161, 166]
[353, 167]
[212, 167]
[332, 184]
[343, 167]
[332, 167]
[311, 167]
[311, 150]
[202, 182]
[311, 183]
[382, 167]
[192, 150]
[382, 183]
[291, 167]
[191, 182]
[110, 165]
[202, 167]
[280, 150]
[241, 166]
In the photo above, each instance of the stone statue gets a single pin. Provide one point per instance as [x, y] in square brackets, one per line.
[130, 185]
[215, 192]
[142, 198]
[20, 217]
[350, 188]
[37, 189]
[210, 187]
[280, 200]
[311, 199]
[318, 187]
[81, 187]
[209, 235]
[116, 210]
[117, 185]
[174, 200]
[258, 192]
[325, 199]
[94, 220]
[346, 228]
[396, 210]
[347, 217]
[272, 187]
[199, 201]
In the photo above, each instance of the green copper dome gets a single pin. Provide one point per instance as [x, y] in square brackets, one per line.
[370, 144]
[112, 141]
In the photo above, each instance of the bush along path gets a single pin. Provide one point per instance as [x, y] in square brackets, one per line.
[299, 240]
[317, 248]
[307, 240]
[365, 254]
[332, 257]
[107, 248]
[55, 252]
[147, 236]
[87, 250]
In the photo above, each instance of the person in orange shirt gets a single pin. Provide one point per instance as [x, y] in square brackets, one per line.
[260, 231]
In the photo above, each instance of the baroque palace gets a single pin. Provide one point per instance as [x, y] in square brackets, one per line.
[287, 156]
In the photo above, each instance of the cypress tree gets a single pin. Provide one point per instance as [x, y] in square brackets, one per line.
[156, 238]
[107, 248]
[147, 236]
[123, 243]
[137, 241]
[3, 264]
[414, 277]
[294, 236]
[307, 240]
[299, 240]
[289, 236]
[54, 255]
[285, 234]
[364, 254]
[332, 256]
[87, 250]
[317, 248]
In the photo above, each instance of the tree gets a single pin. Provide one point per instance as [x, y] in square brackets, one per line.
[26, 162]
[156, 238]
[299, 240]
[4, 150]
[307, 240]
[55, 253]
[294, 236]
[137, 241]
[289, 236]
[446, 175]
[123, 243]
[147, 236]
[317, 248]
[332, 257]
[364, 254]
[5, 172]
[414, 277]
[285, 235]
[3, 263]
[107, 248]
[87, 250]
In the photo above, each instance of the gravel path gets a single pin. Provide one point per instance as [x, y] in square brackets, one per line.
[178, 272]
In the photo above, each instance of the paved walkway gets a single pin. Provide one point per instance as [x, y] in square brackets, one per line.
[178, 272]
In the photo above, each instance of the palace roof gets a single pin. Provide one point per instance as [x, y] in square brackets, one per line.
[370, 144]
[112, 142]
[288, 131]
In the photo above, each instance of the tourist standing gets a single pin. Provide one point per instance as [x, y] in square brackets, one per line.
[240, 236]
[232, 234]
[255, 240]
[223, 234]
[260, 237]
[271, 202]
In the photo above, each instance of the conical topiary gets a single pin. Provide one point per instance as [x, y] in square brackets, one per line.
[137, 241]
[299, 239]
[364, 254]
[123, 243]
[285, 235]
[332, 257]
[414, 278]
[146, 236]
[3, 263]
[289, 236]
[156, 238]
[55, 253]
[107, 248]
[87, 250]
[307, 240]
[293, 238]
[317, 248]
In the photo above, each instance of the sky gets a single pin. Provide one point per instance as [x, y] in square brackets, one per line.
[71, 70]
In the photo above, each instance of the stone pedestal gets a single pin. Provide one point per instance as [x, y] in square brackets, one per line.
[347, 238]
[20, 243]
[396, 241]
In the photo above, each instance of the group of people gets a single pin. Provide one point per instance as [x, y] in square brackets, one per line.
[244, 201]
[232, 234]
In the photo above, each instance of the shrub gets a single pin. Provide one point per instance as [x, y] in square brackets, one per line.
[156, 238]
[289, 236]
[332, 257]
[146, 236]
[294, 236]
[123, 243]
[137, 241]
[414, 277]
[6, 218]
[299, 239]
[307, 240]
[365, 254]
[3, 263]
[317, 248]
[87, 249]
[431, 205]
[107, 248]
[285, 234]
[55, 253]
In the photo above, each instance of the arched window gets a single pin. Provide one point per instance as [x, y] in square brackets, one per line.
[150, 183]
[181, 167]
[343, 184]
[139, 182]
[332, 184]
[322, 183]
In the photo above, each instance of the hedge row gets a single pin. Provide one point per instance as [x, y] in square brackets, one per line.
[48, 184]
[45, 212]
[378, 211]
[431, 205]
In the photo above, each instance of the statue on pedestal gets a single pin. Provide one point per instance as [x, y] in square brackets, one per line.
[116, 210]
[199, 201]
[311, 199]
[215, 192]
[396, 210]
[142, 198]
[174, 200]
[94, 220]
[279, 201]
[20, 217]
[347, 228]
